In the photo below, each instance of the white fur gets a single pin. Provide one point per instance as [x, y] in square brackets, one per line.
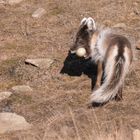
[83, 20]
[97, 49]
[100, 95]
[91, 23]
[98, 53]
[72, 52]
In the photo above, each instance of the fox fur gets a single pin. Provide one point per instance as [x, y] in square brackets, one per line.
[112, 52]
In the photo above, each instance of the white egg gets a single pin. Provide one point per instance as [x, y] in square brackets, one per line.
[81, 52]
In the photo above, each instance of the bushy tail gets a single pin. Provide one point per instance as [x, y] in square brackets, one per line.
[116, 68]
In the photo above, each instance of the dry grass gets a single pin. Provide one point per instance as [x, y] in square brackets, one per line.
[57, 107]
[68, 127]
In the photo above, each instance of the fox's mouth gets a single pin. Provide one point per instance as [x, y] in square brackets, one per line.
[72, 51]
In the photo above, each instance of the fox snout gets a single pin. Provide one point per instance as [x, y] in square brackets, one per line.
[72, 50]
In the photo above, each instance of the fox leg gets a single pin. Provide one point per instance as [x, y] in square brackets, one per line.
[118, 97]
[99, 75]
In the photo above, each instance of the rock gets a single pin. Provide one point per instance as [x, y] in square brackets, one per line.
[22, 89]
[136, 134]
[39, 13]
[138, 45]
[7, 108]
[4, 95]
[119, 25]
[41, 63]
[12, 2]
[11, 122]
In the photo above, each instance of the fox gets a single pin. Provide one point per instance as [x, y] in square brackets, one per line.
[111, 52]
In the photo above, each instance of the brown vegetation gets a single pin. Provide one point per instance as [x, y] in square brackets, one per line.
[57, 106]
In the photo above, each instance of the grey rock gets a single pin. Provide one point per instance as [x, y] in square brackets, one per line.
[10, 122]
[41, 63]
[4, 95]
[39, 13]
[13, 2]
[6, 108]
[120, 25]
[22, 89]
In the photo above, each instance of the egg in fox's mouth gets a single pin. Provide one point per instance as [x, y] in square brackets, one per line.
[80, 52]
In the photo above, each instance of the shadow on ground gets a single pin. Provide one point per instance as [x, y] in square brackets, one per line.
[76, 66]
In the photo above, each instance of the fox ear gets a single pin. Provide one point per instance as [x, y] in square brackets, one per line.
[83, 21]
[91, 24]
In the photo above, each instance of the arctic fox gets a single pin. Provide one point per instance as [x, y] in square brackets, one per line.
[113, 55]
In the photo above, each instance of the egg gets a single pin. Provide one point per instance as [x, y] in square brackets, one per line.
[81, 52]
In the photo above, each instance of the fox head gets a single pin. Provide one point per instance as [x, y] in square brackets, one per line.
[84, 35]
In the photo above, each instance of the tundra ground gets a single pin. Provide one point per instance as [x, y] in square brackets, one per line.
[57, 106]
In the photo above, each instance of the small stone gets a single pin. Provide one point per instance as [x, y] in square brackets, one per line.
[138, 45]
[12, 2]
[119, 25]
[39, 13]
[136, 134]
[10, 122]
[22, 89]
[41, 63]
[4, 95]
[6, 108]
